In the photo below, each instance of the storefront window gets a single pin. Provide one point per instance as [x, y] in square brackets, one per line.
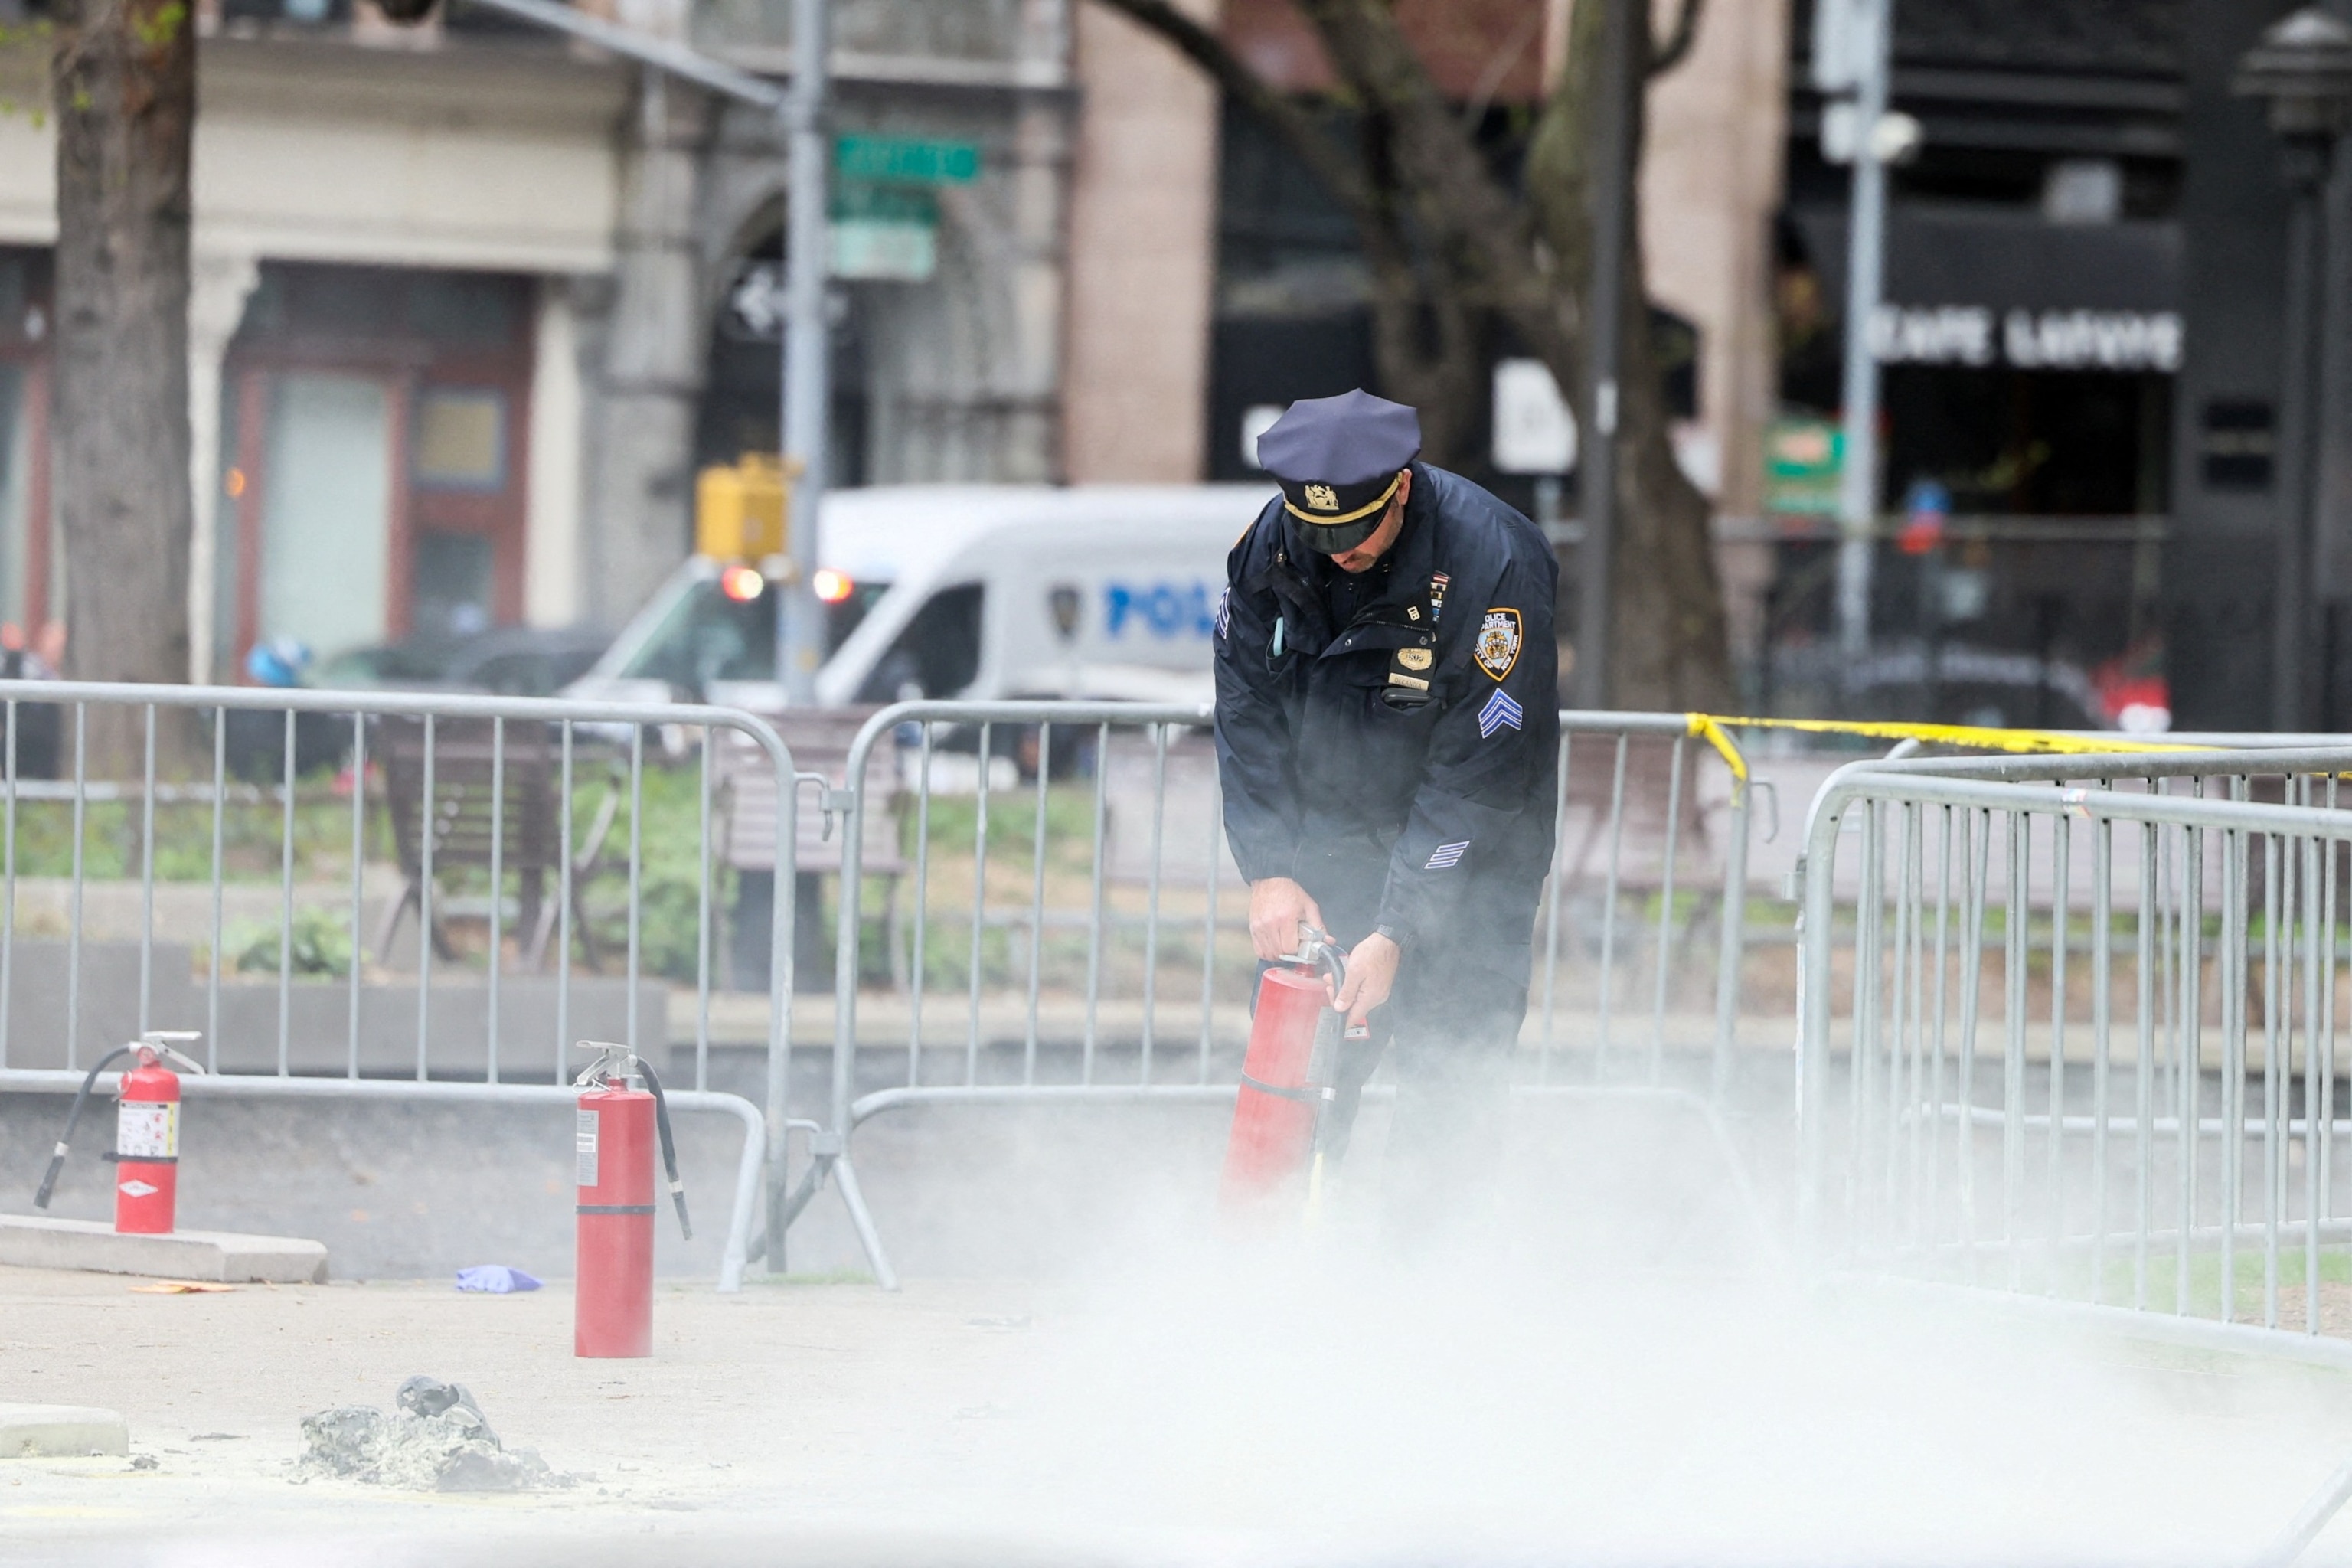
[398, 497]
[326, 533]
[460, 442]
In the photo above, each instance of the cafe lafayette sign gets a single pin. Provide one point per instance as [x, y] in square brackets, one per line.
[2026, 340]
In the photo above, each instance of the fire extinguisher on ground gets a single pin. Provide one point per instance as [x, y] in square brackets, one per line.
[146, 1153]
[621, 1114]
[1284, 1115]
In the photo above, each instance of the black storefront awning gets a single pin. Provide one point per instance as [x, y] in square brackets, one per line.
[1973, 286]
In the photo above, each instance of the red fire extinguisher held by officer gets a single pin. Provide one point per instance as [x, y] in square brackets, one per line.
[1284, 1116]
[621, 1114]
[146, 1153]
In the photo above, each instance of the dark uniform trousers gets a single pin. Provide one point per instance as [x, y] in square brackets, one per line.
[1452, 1019]
[1431, 815]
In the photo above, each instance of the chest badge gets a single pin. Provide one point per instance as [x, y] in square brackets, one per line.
[1497, 649]
[1415, 657]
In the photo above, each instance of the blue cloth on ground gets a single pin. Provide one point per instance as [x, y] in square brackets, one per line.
[494, 1278]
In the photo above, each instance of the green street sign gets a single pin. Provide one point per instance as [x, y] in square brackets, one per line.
[905, 160]
[1802, 461]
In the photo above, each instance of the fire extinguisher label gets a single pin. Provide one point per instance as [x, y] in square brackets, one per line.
[586, 1145]
[147, 1130]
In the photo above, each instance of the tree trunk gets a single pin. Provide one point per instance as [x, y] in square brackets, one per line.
[125, 80]
[1425, 339]
[1669, 648]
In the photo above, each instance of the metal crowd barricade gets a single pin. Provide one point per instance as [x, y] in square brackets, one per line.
[1083, 945]
[2067, 1029]
[500, 816]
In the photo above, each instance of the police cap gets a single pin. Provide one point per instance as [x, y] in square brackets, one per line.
[1336, 459]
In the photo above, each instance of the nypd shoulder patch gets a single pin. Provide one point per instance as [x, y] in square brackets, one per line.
[1497, 645]
[1446, 856]
[1499, 713]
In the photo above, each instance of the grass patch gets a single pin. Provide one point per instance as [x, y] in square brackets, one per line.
[2072, 1278]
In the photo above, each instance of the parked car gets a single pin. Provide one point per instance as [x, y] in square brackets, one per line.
[511, 661]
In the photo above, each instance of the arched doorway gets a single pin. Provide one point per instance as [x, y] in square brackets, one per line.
[743, 375]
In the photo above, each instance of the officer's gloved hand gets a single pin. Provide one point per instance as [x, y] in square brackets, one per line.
[1278, 906]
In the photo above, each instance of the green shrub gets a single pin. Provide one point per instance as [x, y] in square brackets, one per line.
[321, 945]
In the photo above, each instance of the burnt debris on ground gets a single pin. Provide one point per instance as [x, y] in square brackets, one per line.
[434, 1439]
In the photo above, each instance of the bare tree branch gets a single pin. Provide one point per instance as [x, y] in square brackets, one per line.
[1477, 229]
[1453, 248]
[1676, 46]
[1333, 170]
[1420, 301]
[1499, 67]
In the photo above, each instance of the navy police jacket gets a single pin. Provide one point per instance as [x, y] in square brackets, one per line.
[1401, 726]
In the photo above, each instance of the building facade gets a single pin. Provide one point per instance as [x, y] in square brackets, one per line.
[472, 304]
[2262, 469]
[2035, 327]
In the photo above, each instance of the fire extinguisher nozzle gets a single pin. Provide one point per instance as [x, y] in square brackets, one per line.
[49, 1180]
[677, 1196]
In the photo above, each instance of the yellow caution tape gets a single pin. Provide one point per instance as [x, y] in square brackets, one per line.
[1716, 731]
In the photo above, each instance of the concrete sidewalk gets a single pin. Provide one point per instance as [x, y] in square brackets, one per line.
[783, 1396]
[1286, 1415]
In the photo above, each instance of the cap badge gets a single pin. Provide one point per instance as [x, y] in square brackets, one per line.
[1322, 498]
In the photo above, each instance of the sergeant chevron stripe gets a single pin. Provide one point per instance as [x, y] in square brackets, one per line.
[1500, 713]
[1446, 856]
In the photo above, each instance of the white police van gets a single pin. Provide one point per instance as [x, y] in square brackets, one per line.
[1107, 592]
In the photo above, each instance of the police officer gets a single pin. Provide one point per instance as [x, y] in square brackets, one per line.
[1388, 740]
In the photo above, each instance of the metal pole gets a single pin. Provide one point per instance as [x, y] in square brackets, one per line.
[2307, 167]
[806, 395]
[1597, 485]
[800, 641]
[1872, 21]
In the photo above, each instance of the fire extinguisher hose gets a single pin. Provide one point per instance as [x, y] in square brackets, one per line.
[73, 1119]
[668, 1146]
[1320, 949]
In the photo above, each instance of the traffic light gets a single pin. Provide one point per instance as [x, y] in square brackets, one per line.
[739, 510]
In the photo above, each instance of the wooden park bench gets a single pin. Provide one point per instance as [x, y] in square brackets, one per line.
[819, 741]
[460, 820]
